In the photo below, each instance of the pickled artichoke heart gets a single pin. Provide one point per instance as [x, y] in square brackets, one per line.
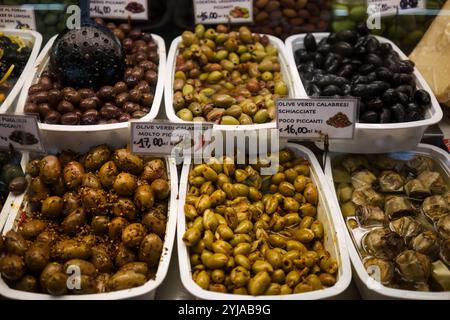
[369, 216]
[444, 253]
[427, 243]
[433, 181]
[415, 189]
[363, 179]
[443, 227]
[340, 175]
[380, 269]
[397, 206]
[355, 162]
[344, 192]
[391, 181]
[382, 243]
[435, 207]
[420, 164]
[367, 197]
[384, 162]
[413, 266]
[406, 227]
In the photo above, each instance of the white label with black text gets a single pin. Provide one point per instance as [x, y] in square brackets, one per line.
[119, 9]
[22, 132]
[161, 137]
[315, 118]
[17, 17]
[223, 11]
[392, 6]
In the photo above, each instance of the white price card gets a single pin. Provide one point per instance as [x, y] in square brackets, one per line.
[312, 119]
[22, 132]
[393, 6]
[17, 17]
[160, 137]
[119, 9]
[223, 11]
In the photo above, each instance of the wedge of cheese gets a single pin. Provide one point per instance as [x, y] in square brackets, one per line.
[432, 55]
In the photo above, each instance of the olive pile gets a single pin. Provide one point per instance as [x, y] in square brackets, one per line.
[399, 214]
[131, 98]
[11, 175]
[227, 77]
[253, 234]
[354, 63]
[103, 212]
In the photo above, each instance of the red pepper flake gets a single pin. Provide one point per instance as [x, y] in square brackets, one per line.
[22, 218]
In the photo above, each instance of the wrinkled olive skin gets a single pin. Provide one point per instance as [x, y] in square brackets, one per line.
[255, 235]
[104, 213]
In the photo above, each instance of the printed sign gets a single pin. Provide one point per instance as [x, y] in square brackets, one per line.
[22, 132]
[119, 9]
[160, 137]
[17, 17]
[315, 118]
[392, 6]
[223, 11]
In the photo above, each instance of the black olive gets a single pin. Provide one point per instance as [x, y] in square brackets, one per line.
[403, 4]
[346, 71]
[362, 107]
[413, 107]
[306, 67]
[318, 60]
[366, 68]
[369, 117]
[324, 48]
[331, 90]
[361, 90]
[360, 79]
[307, 76]
[413, 3]
[329, 58]
[323, 80]
[333, 67]
[402, 98]
[343, 48]
[412, 115]
[349, 36]
[302, 55]
[380, 86]
[384, 74]
[362, 29]
[331, 38]
[340, 81]
[372, 44]
[346, 89]
[402, 78]
[398, 112]
[310, 43]
[385, 48]
[385, 116]
[372, 76]
[359, 49]
[422, 97]
[314, 90]
[406, 66]
[389, 97]
[375, 104]
[406, 89]
[374, 59]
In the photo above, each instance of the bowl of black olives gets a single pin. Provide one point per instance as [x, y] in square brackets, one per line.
[396, 105]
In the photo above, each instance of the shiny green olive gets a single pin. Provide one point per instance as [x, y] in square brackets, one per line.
[304, 235]
[218, 276]
[191, 236]
[221, 246]
[216, 261]
[243, 261]
[307, 209]
[203, 280]
[242, 248]
[240, 276]
[278, 276]
[317, 228]
[259, 283]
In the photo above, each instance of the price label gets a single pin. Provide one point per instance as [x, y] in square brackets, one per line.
[312, 119]
[161, 137]
[17, 17]
[393, 6]
[22, 132]
[119, 9]
[223, 11]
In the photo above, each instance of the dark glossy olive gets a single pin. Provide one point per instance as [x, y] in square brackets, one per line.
[331, 90]
[372, 44]
[360, 79]
[88, 103]
[398, 112]
[369, 117]
[70, 118]
[86, 93]
[44, 108]
[406, 89]
[302, 55]
[18, 185]
[384, 74]
[343, 48]
[324, 48]
[52, 117]
[385, 116]
[389, 97]
[374, 59]
[109, 111]
[120, 87]
[346, 71]
[406, 66]
[318, 60]
[310, 43]
[385, 48]
[31, 108]
[422, 97]
[349, 36]
[372, 76]
[402, 78]
[362, 107]
[366, 68]
[54, 96]
[402, 98]
[362, 29]
[106, 93]
[314, 90]
[375, 104]
[65, 106]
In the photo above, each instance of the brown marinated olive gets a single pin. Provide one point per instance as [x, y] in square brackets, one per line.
[106, 93]
[124, 117]
[138, 114]
[109, 111]
[54, 96]
[88, 103]
[70, 118]
[52, 117]
[44, 109]
[45, 83]
[65, 106]
[31, 108]
[90, 117]
[122, 98]
[120, 87]
[86, 93]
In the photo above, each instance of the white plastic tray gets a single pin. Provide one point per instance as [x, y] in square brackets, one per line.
[373, 138]
[147, 289]
[368, 287]
[36, 39]
[54, 135]
[286, 70]
[334, 240]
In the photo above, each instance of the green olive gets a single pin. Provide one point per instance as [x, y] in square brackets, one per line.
[259, 283]
[304, 235]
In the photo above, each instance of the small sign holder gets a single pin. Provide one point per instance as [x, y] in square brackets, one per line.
[20, 132]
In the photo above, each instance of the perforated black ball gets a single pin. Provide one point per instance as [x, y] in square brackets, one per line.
[91, 57]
